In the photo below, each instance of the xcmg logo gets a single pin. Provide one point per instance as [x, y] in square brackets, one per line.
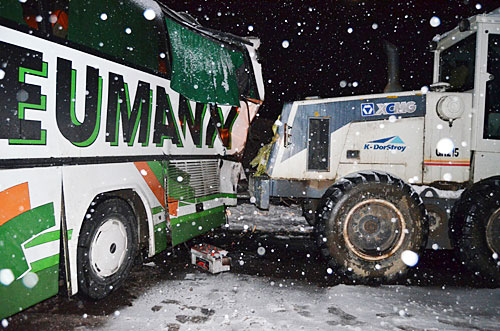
[389, 108]
[393, 143]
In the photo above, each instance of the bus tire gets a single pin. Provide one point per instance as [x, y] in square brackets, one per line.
[365, 222]
[475, 230]
[107, 247]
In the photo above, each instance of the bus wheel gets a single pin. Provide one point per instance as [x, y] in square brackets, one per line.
[367, 223]
[475, 229]
[106, 248]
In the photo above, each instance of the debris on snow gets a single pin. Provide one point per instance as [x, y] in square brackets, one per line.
[210, 258]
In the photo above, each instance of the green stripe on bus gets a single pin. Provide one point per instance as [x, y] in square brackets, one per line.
[160, 237]
[158, 171]
[192, 225]
[16, 296]
[212, 197]
[46, 237]
[45, 263]
[193, 216]
[157, 210]
[20, 229]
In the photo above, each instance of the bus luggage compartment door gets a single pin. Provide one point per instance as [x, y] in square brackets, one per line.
[30, 223]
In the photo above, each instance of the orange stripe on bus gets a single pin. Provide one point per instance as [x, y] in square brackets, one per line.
[173, 206]
[255, 101]
[152, 181]
[13, 202]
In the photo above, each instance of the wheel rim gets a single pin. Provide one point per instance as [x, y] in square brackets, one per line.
[108, 248]
[493, 232]
[374, 229]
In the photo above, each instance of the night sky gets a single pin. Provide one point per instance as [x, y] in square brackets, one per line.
[323, 51]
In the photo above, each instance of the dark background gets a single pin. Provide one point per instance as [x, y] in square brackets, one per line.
[322, 52]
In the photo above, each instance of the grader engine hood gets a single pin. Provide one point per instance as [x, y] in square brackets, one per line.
[309, 127]
[320, 141]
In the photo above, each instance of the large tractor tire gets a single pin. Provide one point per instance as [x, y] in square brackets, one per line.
[106, 248]
[475, 229]
[366, 221]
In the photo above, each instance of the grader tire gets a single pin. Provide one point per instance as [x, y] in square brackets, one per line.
[365, 222]
[475, 230]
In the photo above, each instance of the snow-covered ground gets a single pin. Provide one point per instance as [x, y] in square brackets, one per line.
[233, 301]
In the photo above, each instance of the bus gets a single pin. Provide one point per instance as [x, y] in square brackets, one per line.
[122, 124]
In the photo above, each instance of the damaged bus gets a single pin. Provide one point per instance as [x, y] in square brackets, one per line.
[121, 126]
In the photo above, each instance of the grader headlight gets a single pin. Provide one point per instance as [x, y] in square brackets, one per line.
[450, 108]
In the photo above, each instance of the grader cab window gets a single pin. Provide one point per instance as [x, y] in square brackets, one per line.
[492, 104]
[457, 65]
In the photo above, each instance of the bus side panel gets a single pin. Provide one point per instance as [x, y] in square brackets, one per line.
[189, 223]
[83, 183]
[231, 172]
[30, 214]
[45, 74]
[195, 201]
[238, 128]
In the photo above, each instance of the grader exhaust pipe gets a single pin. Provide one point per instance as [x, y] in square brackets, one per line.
[393, 84]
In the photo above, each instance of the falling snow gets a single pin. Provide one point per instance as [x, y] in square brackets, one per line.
[240, 300]
[435, 22]
[6, 277]
[149, 14]
[445, 146]
[410, 258]
[332, 55]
